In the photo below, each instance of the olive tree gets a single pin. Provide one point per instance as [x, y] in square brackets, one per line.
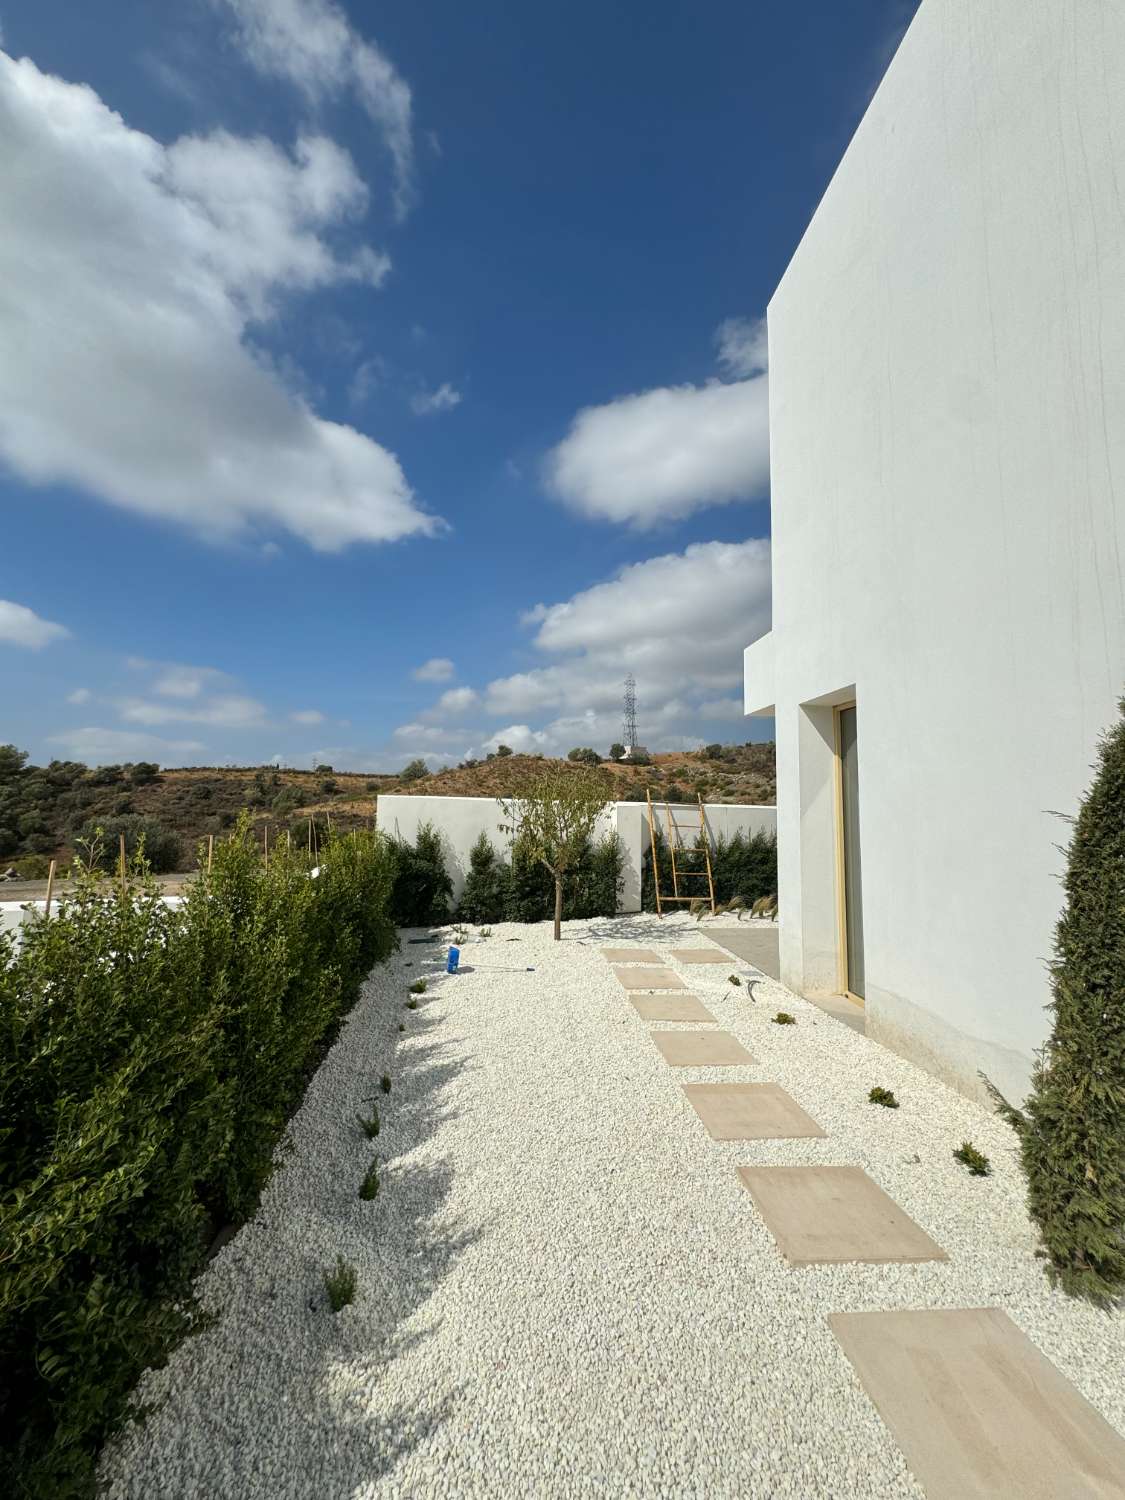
[552, 815]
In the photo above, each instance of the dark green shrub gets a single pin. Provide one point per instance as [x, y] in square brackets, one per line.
[976, 1161]
[503, 750]
[1072, 1127]
[151, 1057]
[885, 1097]
[385, 1083]
[486, 885]
[418, 987]
[783, 1018]
[422, 888]
[369, 1187]
[162, 849]
[531, 888]
[734, 979]
[340, 1284]
[144, 773]
[371, 1124]
[742, 869]
[616, 750]
[287, 801]
[415, 770]
[584, 756]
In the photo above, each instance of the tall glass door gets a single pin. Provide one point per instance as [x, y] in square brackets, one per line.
[849, 816]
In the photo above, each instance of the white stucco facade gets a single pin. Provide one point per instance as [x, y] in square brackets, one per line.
[460, 821]
[947, 431]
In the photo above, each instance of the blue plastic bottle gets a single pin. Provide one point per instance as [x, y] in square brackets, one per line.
[453, 960]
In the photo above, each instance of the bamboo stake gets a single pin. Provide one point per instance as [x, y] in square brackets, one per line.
[310, 837]
[50, 888]
[289, 838]
[210, 851]
[121, 859]
[266, 839]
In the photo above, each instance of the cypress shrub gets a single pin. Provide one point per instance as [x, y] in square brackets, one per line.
[1072, 1127]
[531, 888]
[151, 1056]
[740, 866]
[423, 891]
[486, 886]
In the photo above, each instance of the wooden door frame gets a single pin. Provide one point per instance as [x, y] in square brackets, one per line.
[841, 890]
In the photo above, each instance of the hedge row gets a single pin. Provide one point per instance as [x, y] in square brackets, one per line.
[499, 890]
[150, 1059]
[741, 866]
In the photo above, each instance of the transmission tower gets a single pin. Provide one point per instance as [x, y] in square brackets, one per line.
[629, 730]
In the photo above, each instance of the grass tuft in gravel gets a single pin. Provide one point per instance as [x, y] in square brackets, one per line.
[734, 979]
[976, 1161]
[369, 1187]
[340, 1284]
[783, 1018]
[412, 1005]
[418, 987]
[385, 1083]
[371, 1125]
[885, 1097]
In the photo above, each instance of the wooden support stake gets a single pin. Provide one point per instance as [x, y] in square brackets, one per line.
[210, 851]
[289, 838]
[50, 888]
[310, 837]
[121, 859]
[266, 841]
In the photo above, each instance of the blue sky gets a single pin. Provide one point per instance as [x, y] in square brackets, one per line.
[389, 379]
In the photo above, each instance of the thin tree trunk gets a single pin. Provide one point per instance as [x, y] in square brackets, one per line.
[558, 907]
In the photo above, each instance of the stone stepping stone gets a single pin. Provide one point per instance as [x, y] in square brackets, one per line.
[631, 956]
[825, 1215]
[671, 1008]
[978, 1411]
[701, 1049]
[700, 956]
[749, 1111]
[649, 979]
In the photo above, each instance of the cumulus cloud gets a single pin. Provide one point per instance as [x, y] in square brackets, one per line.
[457, 700]
[687, 656]
[99, 746]
[663, 454]
[425, 403]
[437, 669]
[743, 347]
[20, 626]
[131, 275]
[182, 682]
[224, 710]
[79, 696]
[313, 45]
[307, 716]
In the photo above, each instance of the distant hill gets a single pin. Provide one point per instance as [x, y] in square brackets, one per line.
[43, 808]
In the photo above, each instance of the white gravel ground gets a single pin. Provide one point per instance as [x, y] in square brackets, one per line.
[564, 1290]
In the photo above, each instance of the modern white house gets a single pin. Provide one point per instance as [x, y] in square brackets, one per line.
[947, 433]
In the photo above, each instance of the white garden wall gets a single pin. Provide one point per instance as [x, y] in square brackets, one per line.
[460, 821]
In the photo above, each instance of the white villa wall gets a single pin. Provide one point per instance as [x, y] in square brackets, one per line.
[460, 821]
[947, 434]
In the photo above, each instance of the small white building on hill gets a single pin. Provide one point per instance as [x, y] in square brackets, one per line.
[947, 432]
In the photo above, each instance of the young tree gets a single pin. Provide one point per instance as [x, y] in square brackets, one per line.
[616, 750]
[1072, 1127]
[415, 771]
[552, 816]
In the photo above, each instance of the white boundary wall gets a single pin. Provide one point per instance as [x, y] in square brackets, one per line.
[460, 821]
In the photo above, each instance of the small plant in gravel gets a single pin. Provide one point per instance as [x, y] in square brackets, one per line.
[412, 1005]
[369, 1187]
[385, 1083]
[734, 979]
[885, 1097]
[418, 987]
[401, 1027]
[783, 1018]
[485, 932]
[371, 1124]
[976, 1161]
[340, 1284]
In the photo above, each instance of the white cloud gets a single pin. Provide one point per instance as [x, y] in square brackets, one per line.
[437, 669]
[686, 655]
[98, 746]
[457, 700]
[663, 454]
[313, 45]
[184, 682]
[368, 377]
[307, 716]
[130, 275]
[427, 402]
[20, 626]
[225, 710]
[743, 346]
[80, 695]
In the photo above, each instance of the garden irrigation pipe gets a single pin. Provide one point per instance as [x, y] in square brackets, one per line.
[454, 959]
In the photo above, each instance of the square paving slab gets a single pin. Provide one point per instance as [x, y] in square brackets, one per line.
[701, 1049]
[748, 1111]
[701, 956]
[671, 1008]
[978, 1411]
[823, 1215]
[650, 979]
[631, 956]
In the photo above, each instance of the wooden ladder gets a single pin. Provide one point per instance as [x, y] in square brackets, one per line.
[675, 829]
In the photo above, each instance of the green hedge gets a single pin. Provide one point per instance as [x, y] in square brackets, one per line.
[150, 1059]
[740, 866]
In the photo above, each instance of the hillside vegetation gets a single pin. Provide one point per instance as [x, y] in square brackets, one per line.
[53, 811]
